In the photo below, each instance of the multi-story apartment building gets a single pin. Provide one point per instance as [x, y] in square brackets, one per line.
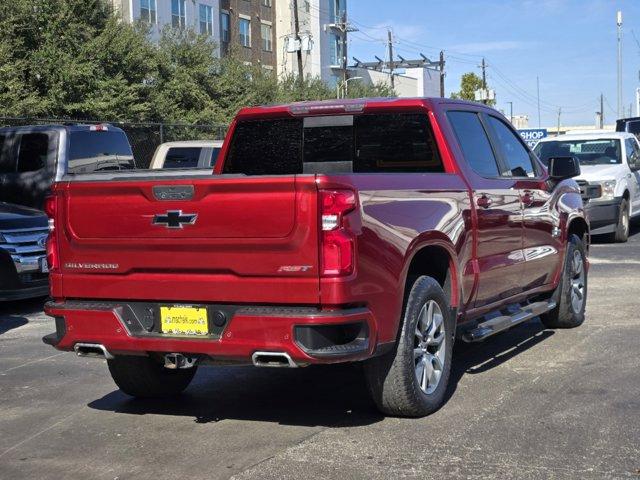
[321, 25]
[248, 28]
[200, 15]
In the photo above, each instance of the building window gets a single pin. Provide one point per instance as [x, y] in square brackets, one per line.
[307, 6]
[148, 11]
[244, 28]
[206, 20]
[336, 10]
[178, 13]
[335, 52]
[267, 3]
[225, 27]
[266, 37]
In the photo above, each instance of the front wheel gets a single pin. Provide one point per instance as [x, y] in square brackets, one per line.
[621, 234]
[572, 298]
[411, 381]
[144, 377]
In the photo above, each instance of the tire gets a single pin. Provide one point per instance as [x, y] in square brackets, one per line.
[621, 235]
[393, 378]
[569, 313]
[144, 377]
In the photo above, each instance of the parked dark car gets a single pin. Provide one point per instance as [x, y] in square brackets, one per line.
[33, 157]
[23, 265]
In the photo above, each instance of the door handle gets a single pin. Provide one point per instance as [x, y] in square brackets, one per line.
[484, 201]
[528, 199]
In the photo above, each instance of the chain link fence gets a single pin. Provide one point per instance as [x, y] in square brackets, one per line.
[143, 137]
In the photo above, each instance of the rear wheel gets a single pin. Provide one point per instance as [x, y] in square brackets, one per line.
[572, 299]
[144, 377]
[412, 379]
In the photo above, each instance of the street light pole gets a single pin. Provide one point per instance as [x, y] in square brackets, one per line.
[346, 85]
[510, 111]
[619, 23]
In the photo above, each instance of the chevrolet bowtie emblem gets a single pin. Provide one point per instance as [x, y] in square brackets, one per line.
[175, 219]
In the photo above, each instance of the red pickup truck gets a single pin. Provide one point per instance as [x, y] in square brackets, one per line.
[375, 230]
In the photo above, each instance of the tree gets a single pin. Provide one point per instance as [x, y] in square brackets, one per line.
[469, 83]
[70, 58]
[75, 59]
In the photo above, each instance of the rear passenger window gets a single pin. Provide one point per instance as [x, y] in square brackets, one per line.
[518, 159]
[474, 143]
[32, 155]
[179, 157]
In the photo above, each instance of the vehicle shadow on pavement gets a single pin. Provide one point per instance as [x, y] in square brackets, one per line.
[13, 314]
[477, 358]
[334, 396]
[634, 229]
[10, 322]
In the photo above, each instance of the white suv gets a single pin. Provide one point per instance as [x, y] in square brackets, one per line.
[610, 178]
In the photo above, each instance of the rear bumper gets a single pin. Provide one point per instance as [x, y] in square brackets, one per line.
[603, 216]
[124, 329]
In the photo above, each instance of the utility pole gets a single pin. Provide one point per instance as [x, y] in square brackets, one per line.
[601, 111]
[559, 113]
[393, 82]
[343, 28]
[298, 41]
[619, 24]
[442, 74]
[538, 87]
[510, 111]
[484, 81]
[343, 41]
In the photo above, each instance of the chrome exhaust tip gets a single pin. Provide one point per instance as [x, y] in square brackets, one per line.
[95, 350]
[273, 360]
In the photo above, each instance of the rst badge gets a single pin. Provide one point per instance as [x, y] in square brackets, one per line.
[175, 219]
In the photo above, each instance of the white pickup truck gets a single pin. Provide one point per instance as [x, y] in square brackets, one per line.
[610, 178]
[186, 154]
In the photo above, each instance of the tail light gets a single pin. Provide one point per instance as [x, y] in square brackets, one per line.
[338, 242]
[51, 209]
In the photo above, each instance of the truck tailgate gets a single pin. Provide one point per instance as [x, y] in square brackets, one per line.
[232, 239]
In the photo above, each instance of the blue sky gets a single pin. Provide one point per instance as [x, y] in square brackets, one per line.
[569, 44]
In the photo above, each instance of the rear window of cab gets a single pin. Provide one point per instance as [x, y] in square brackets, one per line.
[367, 143]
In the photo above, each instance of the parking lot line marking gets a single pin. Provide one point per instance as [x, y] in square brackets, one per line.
[28, 439]
[603, 261]
[32, 361]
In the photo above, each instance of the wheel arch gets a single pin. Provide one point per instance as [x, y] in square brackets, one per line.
[437, 258]
[578, 226]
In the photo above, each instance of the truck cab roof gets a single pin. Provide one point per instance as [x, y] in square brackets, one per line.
[352, 106]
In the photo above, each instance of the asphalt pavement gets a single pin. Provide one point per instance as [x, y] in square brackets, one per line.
[531, 403]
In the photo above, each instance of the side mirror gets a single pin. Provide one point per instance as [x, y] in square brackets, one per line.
[561, 168]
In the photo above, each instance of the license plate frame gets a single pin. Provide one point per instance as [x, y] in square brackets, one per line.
[184, 320]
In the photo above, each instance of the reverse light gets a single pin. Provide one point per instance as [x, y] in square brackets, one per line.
[338, 242]
[51, 209]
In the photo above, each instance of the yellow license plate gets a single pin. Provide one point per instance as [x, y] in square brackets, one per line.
[184, 320]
